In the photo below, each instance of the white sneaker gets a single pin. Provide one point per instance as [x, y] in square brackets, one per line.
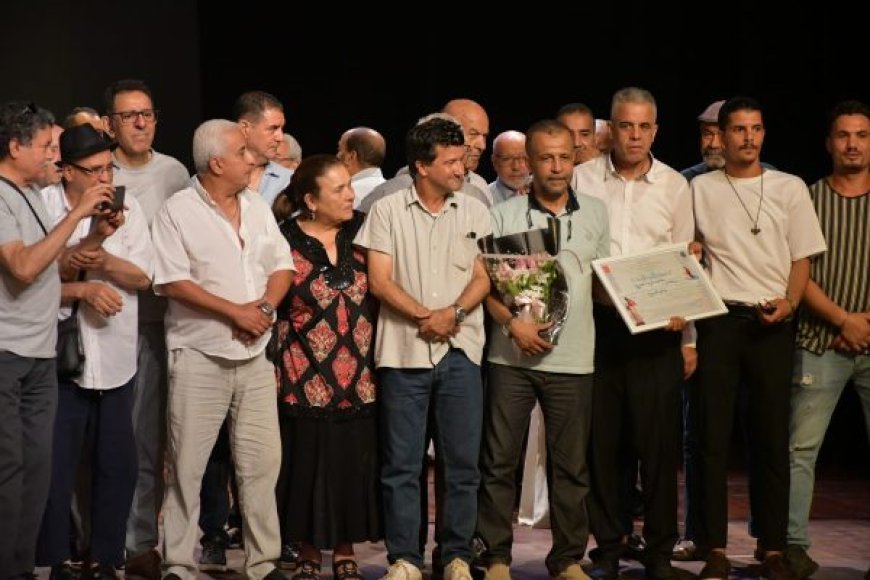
[402, 570]
[457, 570]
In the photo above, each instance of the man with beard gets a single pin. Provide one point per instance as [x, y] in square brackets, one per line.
[580, 121]
[524, 368]
[834, 329]
[759, 231]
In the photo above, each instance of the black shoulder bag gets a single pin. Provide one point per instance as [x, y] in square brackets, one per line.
[70, 352]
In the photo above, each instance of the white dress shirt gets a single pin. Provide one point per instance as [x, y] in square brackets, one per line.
[109, 342]
[194, 241]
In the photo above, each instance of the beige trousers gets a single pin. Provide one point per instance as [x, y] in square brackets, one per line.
[203, 390]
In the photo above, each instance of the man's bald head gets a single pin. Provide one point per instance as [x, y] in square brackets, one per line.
[360, 148]
[475, 127]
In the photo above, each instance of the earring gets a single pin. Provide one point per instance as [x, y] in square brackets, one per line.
[312, 213]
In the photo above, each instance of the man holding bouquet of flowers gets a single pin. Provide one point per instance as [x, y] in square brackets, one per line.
[525, 368]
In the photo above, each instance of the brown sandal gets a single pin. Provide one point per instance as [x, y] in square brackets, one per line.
[307, 570]
[346, 569]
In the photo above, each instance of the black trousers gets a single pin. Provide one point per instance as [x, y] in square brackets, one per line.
[635, 411]
[735, 349]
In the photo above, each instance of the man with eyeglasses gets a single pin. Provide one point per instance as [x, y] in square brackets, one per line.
[511, 166]
[29, 303]
[112, 257]
[151, 178]
[636, 400]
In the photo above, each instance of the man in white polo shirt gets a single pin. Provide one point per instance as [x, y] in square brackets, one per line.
[223, 264]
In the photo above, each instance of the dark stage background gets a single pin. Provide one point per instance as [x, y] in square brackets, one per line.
[335, 67]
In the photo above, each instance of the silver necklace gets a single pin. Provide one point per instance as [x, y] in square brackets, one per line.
[755, 229]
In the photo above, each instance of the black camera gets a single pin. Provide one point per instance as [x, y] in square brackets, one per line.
[117, 200]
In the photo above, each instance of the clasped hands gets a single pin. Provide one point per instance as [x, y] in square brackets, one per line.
[249, 323]
[854, 334]
[437, 326]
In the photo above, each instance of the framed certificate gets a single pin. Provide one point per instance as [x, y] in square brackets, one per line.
[650, 287]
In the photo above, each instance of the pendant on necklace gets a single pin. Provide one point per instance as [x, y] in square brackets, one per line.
[755, 230]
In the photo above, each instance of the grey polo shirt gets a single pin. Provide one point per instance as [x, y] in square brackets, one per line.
[433, 260]
[585, 237]
[28, 313]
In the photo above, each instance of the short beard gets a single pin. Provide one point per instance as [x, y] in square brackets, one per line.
[714, 160]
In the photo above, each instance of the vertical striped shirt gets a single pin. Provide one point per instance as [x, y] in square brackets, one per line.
[844, 270]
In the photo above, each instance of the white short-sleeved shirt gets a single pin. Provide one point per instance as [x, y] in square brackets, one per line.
[433, 261]
[194, 241]
[109, 342]
[749, 268]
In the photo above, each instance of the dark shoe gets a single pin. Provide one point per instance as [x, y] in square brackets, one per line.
[686, 551]
[145, 566]
[717, 567]
[172, 576]
[275, 574]
[635, 548]
[234, 539]
[65, 571]
[800, 563]
[289, 557]
[103, 572]
[605, 569]
[307, 570]
[660, 569]
[346, 570]
[213, 557]
[774, 568]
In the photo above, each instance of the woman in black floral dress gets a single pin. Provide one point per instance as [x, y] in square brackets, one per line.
[328, 491]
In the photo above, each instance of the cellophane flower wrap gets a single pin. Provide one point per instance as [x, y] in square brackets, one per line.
[529, 279]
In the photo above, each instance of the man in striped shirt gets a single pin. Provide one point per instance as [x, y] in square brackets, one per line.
[834, 329]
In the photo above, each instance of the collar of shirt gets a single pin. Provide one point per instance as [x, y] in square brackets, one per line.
[570, 207]
[650, 176]
[367, 172]
[244, 201]
[411, 198]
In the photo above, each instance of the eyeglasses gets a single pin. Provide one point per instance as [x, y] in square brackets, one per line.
[511, 159]
[127, 117]
[94, 171]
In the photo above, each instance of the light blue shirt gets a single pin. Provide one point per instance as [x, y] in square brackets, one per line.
[275, 179]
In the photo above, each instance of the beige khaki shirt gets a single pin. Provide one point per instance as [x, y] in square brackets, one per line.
[433, 261]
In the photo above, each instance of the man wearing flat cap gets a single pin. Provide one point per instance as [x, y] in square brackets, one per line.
[109, 258]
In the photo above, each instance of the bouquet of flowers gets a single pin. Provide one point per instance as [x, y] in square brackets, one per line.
[529, 278]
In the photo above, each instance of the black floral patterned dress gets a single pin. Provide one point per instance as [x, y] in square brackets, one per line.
[328, 490]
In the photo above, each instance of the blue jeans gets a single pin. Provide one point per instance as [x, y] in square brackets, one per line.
[818, 382]
[453, 387]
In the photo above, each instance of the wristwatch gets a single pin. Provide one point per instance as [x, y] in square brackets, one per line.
[506, 327]
[461, 314]
[266, 308]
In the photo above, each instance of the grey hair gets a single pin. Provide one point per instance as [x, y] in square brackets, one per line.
[444, 116]
[209, 141]
[633, 95]
[294, 149]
